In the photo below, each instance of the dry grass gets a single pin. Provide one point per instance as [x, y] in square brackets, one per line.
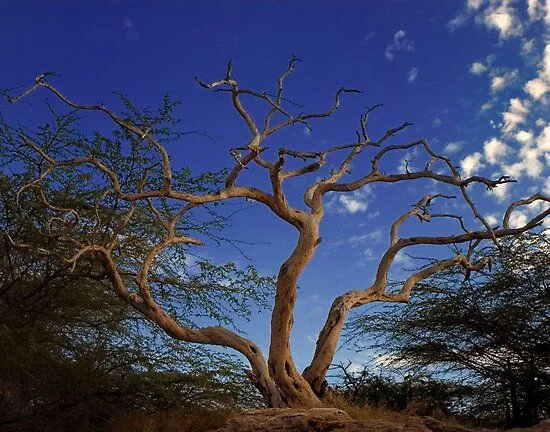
[365, 412]
[170, 421]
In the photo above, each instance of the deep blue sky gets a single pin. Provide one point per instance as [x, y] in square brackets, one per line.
[471, 75]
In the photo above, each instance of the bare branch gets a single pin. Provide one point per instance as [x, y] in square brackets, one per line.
[302, 118]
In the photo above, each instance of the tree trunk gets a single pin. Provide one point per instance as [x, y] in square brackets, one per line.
[295, 391]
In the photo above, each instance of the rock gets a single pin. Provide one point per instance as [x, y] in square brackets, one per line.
[299, 420]
[332, 419]
[313, 420]
[543, 426]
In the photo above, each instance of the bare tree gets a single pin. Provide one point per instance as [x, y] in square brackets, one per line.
[277, 377]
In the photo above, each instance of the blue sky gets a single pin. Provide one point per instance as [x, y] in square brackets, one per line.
[472, 76]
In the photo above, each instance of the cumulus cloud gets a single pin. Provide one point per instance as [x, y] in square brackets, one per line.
[399, 43]
[518, 219]
[545, 71]
[478, 68]
[351, 203]
[471, 164]
[524, 137]
[520, 145]
[412, 75]
[437, 122]
[515, 115]
[536, 88]
[502, 17]
[495, 150]
[501, 192]
[453, 147]
[535, 9]
[498, 82]
[491, 220]
[543, 140]
[474, 4]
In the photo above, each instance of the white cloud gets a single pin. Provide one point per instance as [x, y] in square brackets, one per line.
[498, 82]
[400, 43]
[374, 236]
[518, 219]
[474, 4]
[535, 9]
[402, 259]
[486, 106]
[501, 192]
[412, 75]
[491, 220]
[530, 158]
[502, 18]
[351, 203]
[545, 71]
[524, 137]
[453, 147]
[527, 46]
[478, 68]
[536, 88]
[495, 150]
[516, 114]
[517, 147]
[543, 140]
[458, 21]
[471, 164]
[406, 163]
[437, 122]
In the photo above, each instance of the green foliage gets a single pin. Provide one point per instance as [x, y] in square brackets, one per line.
[363, 388]
[74, 353]
[489, 332]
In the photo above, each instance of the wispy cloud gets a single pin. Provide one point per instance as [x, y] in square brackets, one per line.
[453, 147]
[129, 27]
[350, 203]
[367, 38]
[500, 81]
[412, 75]
[399, 43]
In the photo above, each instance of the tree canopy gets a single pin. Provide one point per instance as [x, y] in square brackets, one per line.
[132, 221]
[489, 331]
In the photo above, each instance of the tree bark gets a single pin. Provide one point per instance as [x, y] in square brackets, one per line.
[295, 390]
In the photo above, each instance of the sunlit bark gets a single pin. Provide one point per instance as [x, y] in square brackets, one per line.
[277, 377]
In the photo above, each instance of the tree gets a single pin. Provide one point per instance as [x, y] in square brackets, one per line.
[360, 386]
[155, 192]
[75, 354]
[491, 330]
